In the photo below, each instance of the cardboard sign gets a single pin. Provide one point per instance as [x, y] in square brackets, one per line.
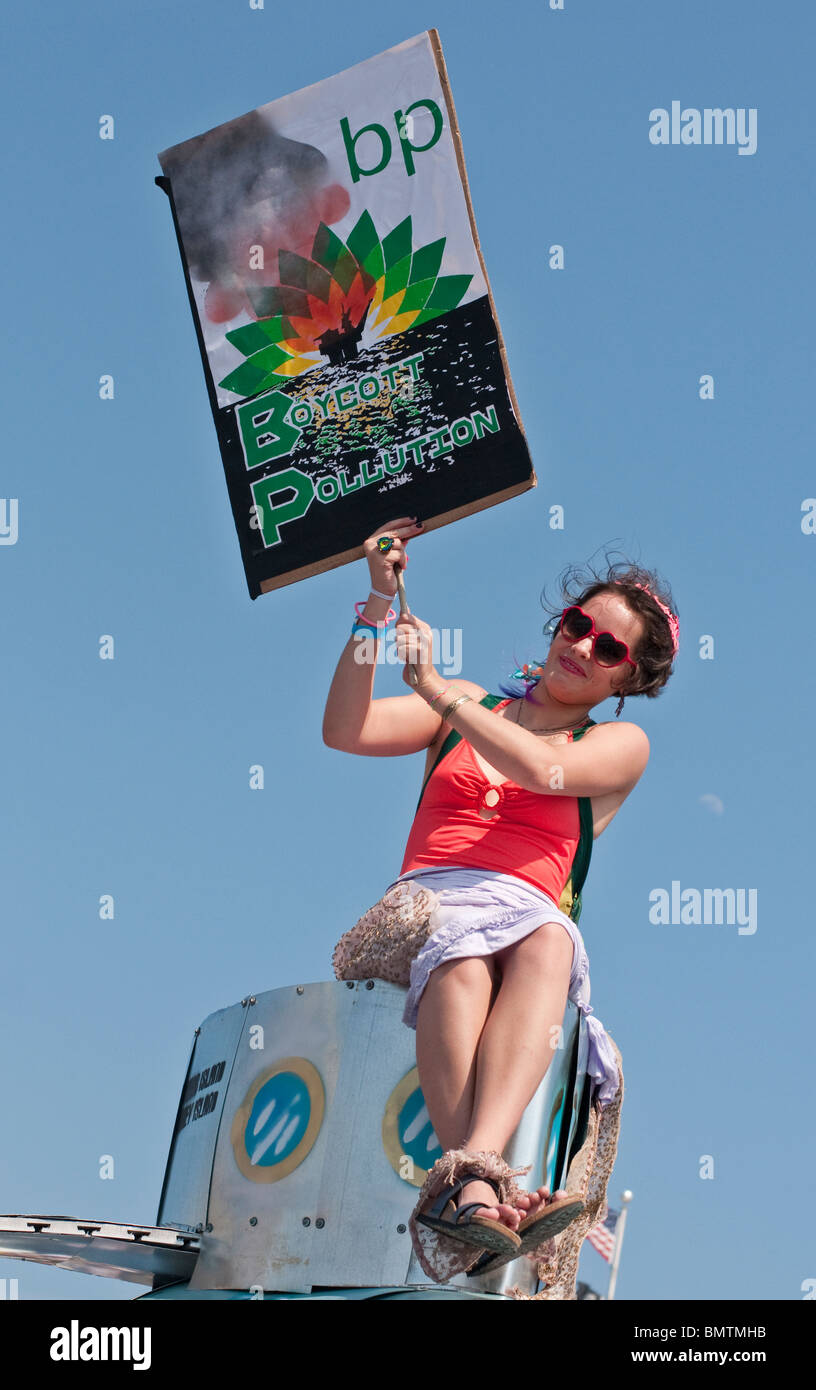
[353, 360]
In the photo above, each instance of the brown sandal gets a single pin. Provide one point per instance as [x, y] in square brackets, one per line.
[445, 1249]
[482, 1231]
[535, 1231]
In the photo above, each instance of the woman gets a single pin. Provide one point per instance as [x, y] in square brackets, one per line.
[477, 923]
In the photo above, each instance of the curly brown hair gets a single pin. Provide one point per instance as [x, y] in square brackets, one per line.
[654, 653]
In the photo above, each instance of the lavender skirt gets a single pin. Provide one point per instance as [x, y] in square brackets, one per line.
[480, 912]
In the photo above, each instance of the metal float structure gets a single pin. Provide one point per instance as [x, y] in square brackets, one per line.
[300, 1140]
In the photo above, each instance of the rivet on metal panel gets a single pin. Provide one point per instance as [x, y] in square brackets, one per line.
[320, 1223]
[369, 984]
[243, 1003]
[307, 1221]
[349, 984]
[401, 1229]
[300, 989]
[197, 1031]
[208, 1226]
[253, 1220]
[252, 998]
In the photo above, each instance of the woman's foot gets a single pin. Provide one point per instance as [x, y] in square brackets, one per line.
[534, 1204]
[531, 1203]
[493, 1209]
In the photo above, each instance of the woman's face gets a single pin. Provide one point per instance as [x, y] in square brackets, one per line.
[572, 674]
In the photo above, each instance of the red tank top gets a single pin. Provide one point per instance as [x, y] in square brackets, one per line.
[529, 834]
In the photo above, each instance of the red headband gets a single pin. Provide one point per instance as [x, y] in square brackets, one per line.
[674, 624]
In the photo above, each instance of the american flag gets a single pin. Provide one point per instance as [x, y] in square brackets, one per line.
[602, 1236]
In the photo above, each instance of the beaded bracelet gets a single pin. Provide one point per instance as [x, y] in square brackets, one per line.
[373, 622]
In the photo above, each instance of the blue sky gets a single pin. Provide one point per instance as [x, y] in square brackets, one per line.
[130, 776]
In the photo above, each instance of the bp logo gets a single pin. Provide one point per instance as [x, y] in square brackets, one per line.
[345, 293]
[408, 1136]
[278, 1121]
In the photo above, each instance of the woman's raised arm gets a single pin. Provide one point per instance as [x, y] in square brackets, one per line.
[353, 722]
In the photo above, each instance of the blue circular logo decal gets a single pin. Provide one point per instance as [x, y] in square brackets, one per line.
[416, 1133]
[279, 1119]
[408, 1136]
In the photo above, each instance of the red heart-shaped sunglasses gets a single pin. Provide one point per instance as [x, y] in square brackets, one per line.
[574, 624]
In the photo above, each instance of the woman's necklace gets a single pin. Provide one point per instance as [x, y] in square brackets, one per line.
[568, 729]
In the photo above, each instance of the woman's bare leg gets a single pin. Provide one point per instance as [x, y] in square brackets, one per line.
[516, 1045]
[452, 1013]
[451, 1017]
[482, 1054]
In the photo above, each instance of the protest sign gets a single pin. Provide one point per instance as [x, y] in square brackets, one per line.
[351, 350]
